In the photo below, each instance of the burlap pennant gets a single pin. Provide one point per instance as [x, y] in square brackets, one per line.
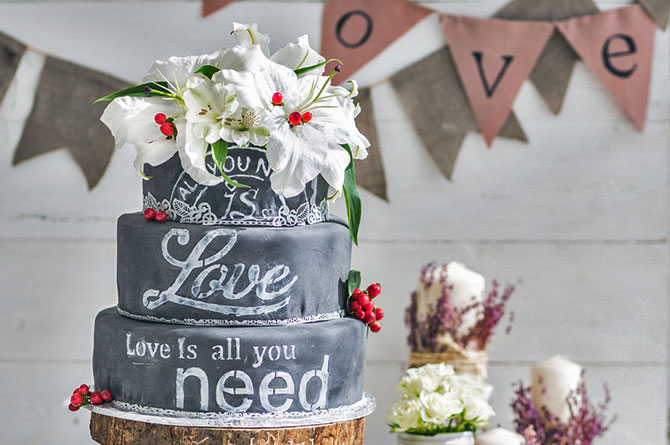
[211, 6]
[493, 58]
[355, 31]
[370, 172]
[436, 104]
[659, 10]
[63, 117]
[553, 69]
[10, 56]
[618, 46]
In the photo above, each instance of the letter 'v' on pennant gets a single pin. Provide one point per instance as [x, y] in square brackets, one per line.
[618, 46]
[493, 58]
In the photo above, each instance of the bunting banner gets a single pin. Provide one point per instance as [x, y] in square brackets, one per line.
[553, 69]
[659, 10]
[618, 46]
[211, 6]
[370, 172]
[434, 80]
[66, 86]
[355, 31]
[10, 56]
[493, 58]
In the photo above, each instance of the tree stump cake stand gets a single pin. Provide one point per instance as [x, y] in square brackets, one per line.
[108, 430]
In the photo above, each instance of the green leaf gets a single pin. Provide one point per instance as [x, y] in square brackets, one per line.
[353, 201]
[208, 70]
[157, 89]
[300, 71]
[354, 281]
[219, 154]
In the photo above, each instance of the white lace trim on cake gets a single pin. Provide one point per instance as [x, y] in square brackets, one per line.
[182, 212]
[141, 413]
[217, 322]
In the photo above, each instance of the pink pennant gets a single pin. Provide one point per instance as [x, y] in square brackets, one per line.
[493, 58]
[618, 46]
[211, 6]
[355, 31]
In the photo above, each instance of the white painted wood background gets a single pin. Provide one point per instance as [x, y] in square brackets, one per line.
[580, 215]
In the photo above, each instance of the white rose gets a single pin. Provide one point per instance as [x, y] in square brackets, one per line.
[406, 413]
[478, 408]
[437, 370]
[437, 408]
[416, 383]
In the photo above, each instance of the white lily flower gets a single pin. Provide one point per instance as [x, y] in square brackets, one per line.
[131, 121]
[177, 70]
[247, 36]
[299, 55]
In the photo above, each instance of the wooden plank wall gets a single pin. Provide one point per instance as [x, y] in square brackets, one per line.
[580, 215]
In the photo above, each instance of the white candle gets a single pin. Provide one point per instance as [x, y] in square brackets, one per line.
[499, 436]
[551, 382]
[467, 287]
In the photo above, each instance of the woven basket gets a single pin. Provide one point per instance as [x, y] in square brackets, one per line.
[472, 362]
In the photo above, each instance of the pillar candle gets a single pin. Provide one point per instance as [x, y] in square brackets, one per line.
[551, 382]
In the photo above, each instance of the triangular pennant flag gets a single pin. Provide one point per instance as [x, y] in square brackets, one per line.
[354, 31]
[659, 10]
[435, 102]
[211, 6]
[63, 117]
[493, 58]
[618, 46]
[370, 172]
[10, 56]
[553, 69]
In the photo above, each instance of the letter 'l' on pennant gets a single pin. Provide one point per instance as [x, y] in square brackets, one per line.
[618, 46]
[355, 31]
[211, 6]
[493, 58]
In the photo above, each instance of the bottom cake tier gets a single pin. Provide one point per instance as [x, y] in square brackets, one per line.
[194, 371]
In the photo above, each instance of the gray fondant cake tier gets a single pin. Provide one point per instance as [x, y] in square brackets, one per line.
[231, 275]
[272, 369]
[172, 190]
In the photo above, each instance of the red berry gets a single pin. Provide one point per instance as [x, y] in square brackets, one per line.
[374, 290]
[360, 314]
[107, 395]
[368, 306]
[369, 317]
[73, 407]
[277, 98]
[161, 216]
[355, 306]
[356, 293]
[363, 298]
[167, 129]
[83, 389]
[95, 398]
[149, 213]
[306, 116]
[295, 118]
[375, 327]
[160, 118]
[76, 399]
[379, 313]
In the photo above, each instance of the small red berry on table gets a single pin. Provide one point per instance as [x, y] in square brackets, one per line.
[149, 213]
[95, 398]
[107, 395]
[375, 327]
[374, 290]
[161, 216]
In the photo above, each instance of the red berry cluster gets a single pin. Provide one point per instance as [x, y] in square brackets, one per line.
[83, 395]
[294, 118]
[166, 125]
[362, 307]
[151, 214]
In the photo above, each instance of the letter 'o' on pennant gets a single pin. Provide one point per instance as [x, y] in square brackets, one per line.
[618, 46]
[493, 58]
[211, 6]
[355, 31]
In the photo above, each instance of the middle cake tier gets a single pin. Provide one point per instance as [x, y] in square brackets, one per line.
[228, 275]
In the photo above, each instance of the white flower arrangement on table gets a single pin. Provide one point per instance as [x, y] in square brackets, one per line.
[197, 106]
[436, 400]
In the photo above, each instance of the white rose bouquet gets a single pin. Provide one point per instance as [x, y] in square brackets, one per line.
[240, 96]
[436, 400]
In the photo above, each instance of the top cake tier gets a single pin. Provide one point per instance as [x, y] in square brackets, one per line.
[172, 190]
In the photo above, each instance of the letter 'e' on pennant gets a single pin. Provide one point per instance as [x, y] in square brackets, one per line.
[355, 31]
[618, 46]
[493, 58]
